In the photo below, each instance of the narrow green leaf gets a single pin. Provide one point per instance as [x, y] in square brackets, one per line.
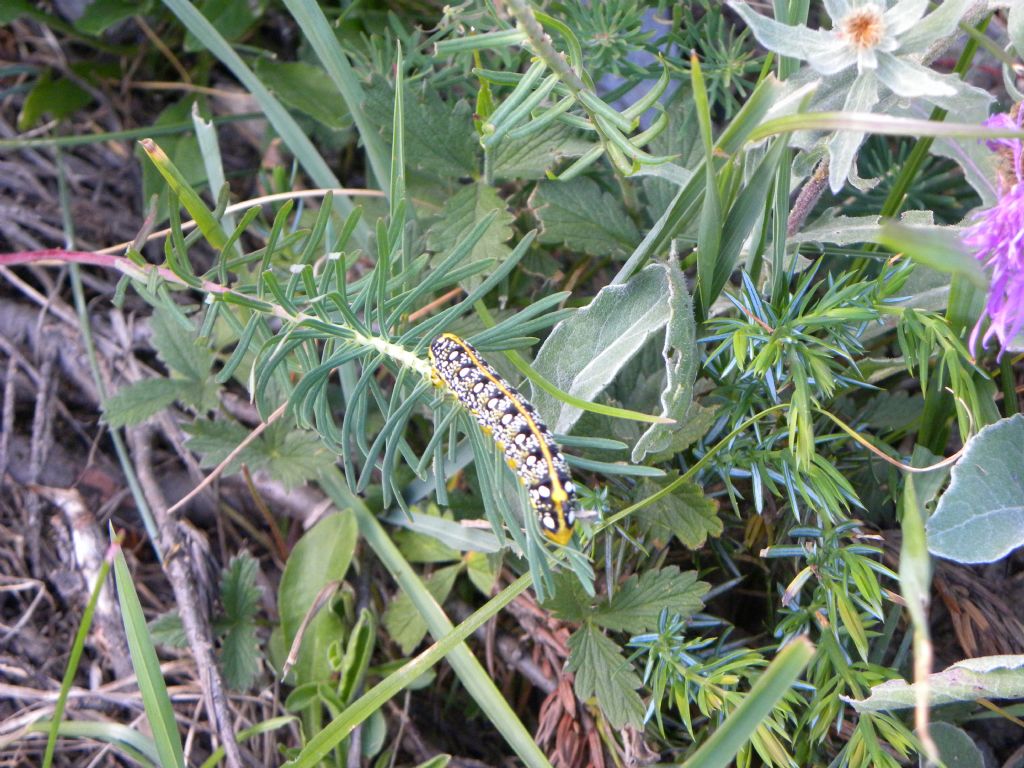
[709, 231]
[157, 703]
[720, 750]
[73, 661]
[188, 197]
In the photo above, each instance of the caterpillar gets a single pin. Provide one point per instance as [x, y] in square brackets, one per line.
[502, 412]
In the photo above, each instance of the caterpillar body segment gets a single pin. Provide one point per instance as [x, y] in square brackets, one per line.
[513, 423]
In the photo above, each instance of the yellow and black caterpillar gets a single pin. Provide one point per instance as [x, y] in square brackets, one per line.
[530, 449]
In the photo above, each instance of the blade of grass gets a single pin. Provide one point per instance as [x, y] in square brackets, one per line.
[721, 748]
[73, 659]
[285, 125]
[194, 204]
[322, 36]
[155, 698]
[134, 745]
[371, 701]
[709, 232]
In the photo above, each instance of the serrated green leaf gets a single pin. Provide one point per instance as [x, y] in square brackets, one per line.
[695, 423]
[570, 602]
[178, 347]
[137, 402]
[686, 513]
[443, 142]
[306, 88]
[980, 517]
[240, 656]
[602, 671]
[579, 215]
[238, 591]
[584, 353]
[292, 456]
[637, 604]
[532, 156]
[214, 440]
[321, 556]
[240, 645]
[403, 622]
[167, 629]
[460, 215]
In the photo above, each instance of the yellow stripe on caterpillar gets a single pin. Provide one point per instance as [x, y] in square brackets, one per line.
[513, 423]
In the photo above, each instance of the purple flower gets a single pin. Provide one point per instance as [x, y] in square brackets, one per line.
[997, 239]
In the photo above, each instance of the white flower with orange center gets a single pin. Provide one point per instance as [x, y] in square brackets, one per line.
[885, 45]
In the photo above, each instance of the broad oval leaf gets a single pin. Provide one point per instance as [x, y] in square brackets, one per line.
[956, 748]
[322, 555]
[980, 517]
[584, 353]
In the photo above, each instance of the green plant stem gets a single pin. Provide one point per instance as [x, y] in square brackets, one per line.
[541, 44]
[168, 129]
[1008, 383]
